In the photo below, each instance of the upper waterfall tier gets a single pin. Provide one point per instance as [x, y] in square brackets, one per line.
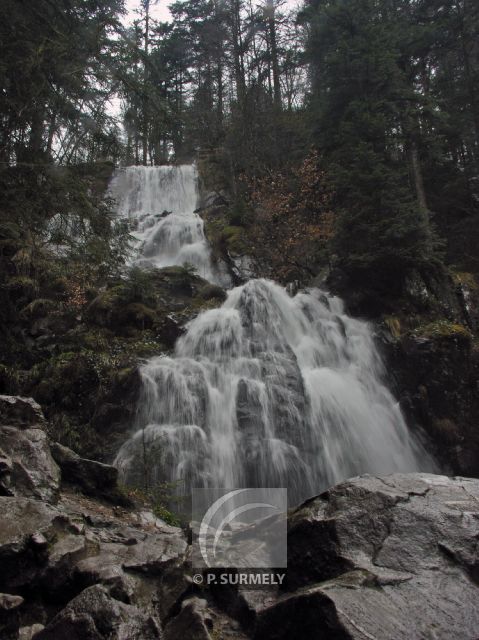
[161, 202]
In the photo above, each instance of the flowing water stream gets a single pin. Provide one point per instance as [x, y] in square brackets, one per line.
[160, 203]
[268, 390]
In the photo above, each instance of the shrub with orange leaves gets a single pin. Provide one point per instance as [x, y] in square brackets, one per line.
[293, 223]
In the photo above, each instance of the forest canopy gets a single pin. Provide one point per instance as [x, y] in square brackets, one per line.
[383, 93]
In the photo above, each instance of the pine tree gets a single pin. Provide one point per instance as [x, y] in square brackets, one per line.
[366, 116]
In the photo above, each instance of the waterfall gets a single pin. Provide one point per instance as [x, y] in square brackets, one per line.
[160, 203]
[268, 390]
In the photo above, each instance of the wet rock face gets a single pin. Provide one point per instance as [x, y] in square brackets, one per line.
[438, 383]
[9, 615]
[393, 557]
[27, 527]
[93, 477]
[94, 614]
[192, 621]
[6, 467]
[101, 571]
[29, 469]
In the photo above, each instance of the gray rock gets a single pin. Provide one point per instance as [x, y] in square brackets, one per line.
[161, 557]
[128, 560]
[30, 468]
[170, 329]
[28, 633]
[21, 412]
[105, 569]
[8, 602]
[201, 619]
[214, 199]
[393, 557]
[191, 623]
[94, 478]
[27, 527]
[9, 615]
[96, 615]
[6, 468]
[63, 554]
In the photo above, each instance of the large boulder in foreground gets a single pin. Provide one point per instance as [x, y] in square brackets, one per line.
[94, 478]
[394, 557]
[382, 558]
[26, 464]
[95, 615]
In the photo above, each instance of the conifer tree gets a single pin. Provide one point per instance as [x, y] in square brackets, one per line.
[366, 115]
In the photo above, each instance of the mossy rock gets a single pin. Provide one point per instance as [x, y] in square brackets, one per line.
[39, 308]
[179, 279]
[9, 380]
[235, 240]
[67, 381]
[212, 292]
[96, 340]
[103, 308]
[22, 286]
[443, 329]
[466, 279]
[58, 286]
[139, 315]
[224, 237]
[446, 431]
[393, 323]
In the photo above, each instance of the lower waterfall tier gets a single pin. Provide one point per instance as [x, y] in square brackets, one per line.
[266, 391]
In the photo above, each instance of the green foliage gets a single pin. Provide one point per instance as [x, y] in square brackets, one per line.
[138, 287]
[225, 237]
[235, 240]
[59, 242]
[396, 117]
[212, 292]
[361, 79]
[39, 307]
[165, 514]
[239, 214]
[54, 74]
[159, 498]
[189, 270]
[466, 279]
[444, 329]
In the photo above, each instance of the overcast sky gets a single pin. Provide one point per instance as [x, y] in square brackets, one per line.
[160, 11]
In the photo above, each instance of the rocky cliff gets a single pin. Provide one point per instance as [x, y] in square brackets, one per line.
[394, 557]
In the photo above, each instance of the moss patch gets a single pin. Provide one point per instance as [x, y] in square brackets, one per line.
[393, 323]
[466, 279]
[443, 329]
[224, 237]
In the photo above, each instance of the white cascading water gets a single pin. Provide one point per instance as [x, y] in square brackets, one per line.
[160, 202]
[268, 390]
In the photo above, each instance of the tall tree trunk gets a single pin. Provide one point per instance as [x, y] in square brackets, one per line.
[51, 132]
[220, 92]
[274, 53]
[417, 177]
[145, 82]
[237, 52]
[37, 129]
[466, 46]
